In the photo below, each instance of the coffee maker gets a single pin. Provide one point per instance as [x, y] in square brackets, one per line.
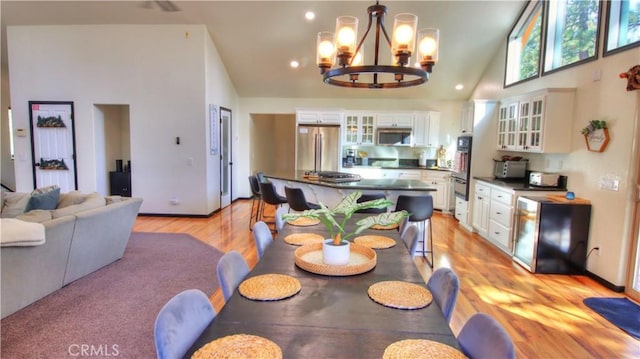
[351, 157]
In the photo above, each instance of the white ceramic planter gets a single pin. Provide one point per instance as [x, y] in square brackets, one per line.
[335, 255]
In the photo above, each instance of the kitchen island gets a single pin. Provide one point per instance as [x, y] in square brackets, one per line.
[330, 193]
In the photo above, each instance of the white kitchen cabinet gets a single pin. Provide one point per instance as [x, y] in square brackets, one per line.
[466, 118]
[409, 174]
[443, 198]
[319, 117]
[462, 213]
[480, 214]
[426, 129]
[537, 122]
[403, 120]
[493, 212]
[359, 128]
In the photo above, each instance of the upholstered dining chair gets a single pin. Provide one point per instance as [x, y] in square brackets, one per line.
[444, 286]
[370, 197]
[231, 270]
[297, 201]
[180, 322]
[279, 220]
[410, 237]
[420, 210]
[256, 200]
[483, 337]
[262, 237]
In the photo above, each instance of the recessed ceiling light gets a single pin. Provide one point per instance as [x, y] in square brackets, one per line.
[294, 64]
[459, 87]
[310, 15]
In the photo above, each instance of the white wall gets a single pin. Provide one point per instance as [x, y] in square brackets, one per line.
[612, 212]
[7, 176]
[160, 71]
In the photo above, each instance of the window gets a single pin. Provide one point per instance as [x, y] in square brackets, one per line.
[523, 45]
[572, 33]
[623, 25]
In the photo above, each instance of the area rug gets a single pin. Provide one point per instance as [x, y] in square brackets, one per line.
[622, 312]
[111, 312]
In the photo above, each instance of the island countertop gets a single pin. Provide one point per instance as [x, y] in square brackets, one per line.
[385, 184]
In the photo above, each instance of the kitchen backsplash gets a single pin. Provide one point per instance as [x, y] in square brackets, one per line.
[391, 153]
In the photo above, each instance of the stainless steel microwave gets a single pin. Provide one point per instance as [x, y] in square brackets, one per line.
[394, 137]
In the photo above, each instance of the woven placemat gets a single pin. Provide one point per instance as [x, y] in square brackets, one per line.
[300, 239]
[375, 242]
[390, 226]
[269, 287]
[239, 346]
[401, 295]
[421, 348]
[304, 222]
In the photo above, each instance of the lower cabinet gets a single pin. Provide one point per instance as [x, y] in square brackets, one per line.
[120, 184]
[443, 198]
[493, 212]
[462, 213]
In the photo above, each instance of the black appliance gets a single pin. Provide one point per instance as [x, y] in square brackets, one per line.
[551, 236]
[462, 167]
[394, 137]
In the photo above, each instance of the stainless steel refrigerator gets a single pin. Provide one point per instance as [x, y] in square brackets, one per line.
[318, 148]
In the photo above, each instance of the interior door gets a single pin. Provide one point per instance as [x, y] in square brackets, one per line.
[53, 145]
[633, 284]
[225, 157]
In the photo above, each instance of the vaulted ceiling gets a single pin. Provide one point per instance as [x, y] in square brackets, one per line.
[258, 39]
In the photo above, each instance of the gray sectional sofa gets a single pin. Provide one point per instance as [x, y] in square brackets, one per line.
[83, 234]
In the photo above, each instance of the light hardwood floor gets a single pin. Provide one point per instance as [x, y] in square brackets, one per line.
[544, 314]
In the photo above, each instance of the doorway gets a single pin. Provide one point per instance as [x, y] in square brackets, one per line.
[633, 284]
[112, 149]
[226, 163]
[273, 143]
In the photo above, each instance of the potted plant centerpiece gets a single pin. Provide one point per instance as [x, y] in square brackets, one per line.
[336, 249]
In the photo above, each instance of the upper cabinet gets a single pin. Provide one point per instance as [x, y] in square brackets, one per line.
[466, 118]
[426, 129]
[359, 128]
[404, 120]
[319, 117]
[537, 122]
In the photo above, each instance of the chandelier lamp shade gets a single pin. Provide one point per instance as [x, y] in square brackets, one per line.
[340, 56]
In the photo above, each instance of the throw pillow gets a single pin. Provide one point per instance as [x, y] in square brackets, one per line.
[14, 204]
[48, 200]
[70, 198]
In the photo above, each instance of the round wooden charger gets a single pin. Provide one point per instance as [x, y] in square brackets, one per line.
[304, 221]
[269, 287]
[300, 239]
[401, 295]
[375, 242]
[421, 349]
[239, 346]
[390, 226]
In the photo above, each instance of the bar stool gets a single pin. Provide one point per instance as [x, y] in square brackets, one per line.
[255, 197]
[297, 200]
[420, 210]
[371, 197]
[270, 196]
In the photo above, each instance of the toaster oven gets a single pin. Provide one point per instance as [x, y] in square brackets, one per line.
[510, 169]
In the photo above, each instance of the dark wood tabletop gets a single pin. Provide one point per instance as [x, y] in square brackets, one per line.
[331, 317]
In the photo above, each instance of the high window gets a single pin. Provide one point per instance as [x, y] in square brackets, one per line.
[623, 25]
[523, 45]
[572, 32]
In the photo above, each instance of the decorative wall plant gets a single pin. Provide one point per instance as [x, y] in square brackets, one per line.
[633, 78]
[596, 135]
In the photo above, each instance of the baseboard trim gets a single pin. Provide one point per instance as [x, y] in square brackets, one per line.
[605, 283]
[187, 215]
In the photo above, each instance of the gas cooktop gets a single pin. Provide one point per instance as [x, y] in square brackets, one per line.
[332, 176]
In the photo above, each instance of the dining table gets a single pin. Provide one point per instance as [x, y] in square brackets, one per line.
[332, 316]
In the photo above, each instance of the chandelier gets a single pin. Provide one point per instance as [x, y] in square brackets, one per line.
[340, 49]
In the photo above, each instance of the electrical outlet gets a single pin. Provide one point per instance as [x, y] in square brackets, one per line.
[174, 201]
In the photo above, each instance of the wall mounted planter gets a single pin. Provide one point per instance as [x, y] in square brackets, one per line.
[597, 140]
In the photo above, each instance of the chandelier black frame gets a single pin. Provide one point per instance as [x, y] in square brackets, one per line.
[403, 75]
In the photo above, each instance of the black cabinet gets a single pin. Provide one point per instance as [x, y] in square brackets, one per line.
[120, 183]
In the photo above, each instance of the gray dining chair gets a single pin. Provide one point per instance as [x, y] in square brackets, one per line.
[410, 237]
[281, 211]
[231, 270]
[444, 286]
[483, 337]
[262, 237]
[180, 322]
